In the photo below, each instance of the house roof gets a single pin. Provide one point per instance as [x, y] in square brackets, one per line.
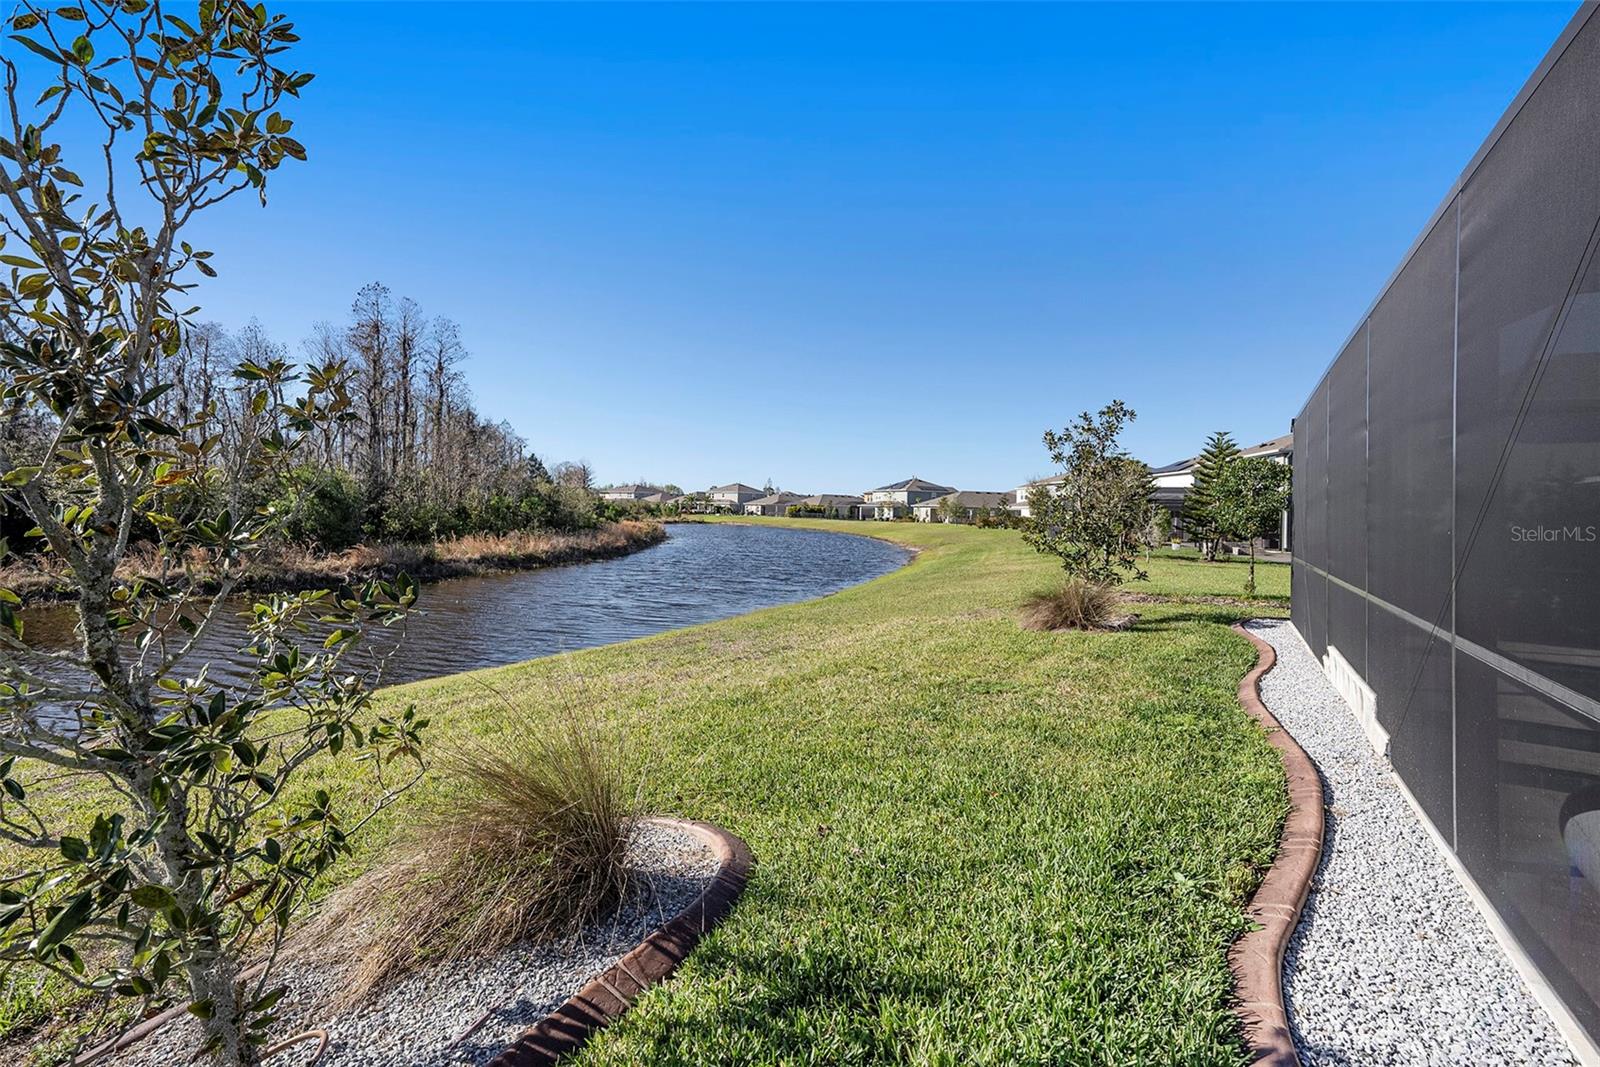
[1275, 447]
[831, 499]
[967, 498]
[1277, 444]
[914, 484]
[630, 489]
[1051, 480]
[777, 498]
[736, 487]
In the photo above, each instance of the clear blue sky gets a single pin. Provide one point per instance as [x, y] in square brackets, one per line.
[837, 246]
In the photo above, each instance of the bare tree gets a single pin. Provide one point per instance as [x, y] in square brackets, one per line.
[370, 340]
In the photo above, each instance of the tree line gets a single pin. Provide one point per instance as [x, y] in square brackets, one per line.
[409, 459]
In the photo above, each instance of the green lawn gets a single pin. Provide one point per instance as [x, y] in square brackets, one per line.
[975, 844]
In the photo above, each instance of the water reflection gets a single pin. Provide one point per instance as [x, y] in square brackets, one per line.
[700, 573]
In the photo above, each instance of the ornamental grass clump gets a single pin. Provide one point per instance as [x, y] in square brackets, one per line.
[527, 842]
[1077, 605]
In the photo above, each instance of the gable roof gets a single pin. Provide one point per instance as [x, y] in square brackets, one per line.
[968, 498]
[636, 488]
[777, 498]
[1275, 447]
[914, 484]
[832, 499]
[736, 487]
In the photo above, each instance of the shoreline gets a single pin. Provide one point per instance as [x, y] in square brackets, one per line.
[290, 569]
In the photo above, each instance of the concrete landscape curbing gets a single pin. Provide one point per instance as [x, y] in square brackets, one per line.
[603, 1000]
[1256, 959]
[1394, 961]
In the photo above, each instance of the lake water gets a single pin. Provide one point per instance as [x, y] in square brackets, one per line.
[700, 573]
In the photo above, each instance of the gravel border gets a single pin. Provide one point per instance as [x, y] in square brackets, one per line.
[469, 1013]
[1391, 962]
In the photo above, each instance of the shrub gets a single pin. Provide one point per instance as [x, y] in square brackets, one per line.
[1077, 605]
[529, 842]
[324, 508]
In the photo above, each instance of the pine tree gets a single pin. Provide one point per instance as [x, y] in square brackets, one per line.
[1220, 450]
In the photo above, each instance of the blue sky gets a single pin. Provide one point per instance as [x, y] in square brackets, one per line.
[836, 246]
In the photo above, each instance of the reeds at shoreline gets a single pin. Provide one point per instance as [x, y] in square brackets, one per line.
[290, 567]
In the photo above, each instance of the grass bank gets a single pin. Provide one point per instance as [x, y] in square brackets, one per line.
[292, 567]
[976, 843]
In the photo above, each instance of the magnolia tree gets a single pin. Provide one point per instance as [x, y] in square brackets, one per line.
[1248, 496]
[1093, 515]
[183, 854]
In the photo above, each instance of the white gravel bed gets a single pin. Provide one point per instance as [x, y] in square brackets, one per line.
[424, 1020]
[1391, 962]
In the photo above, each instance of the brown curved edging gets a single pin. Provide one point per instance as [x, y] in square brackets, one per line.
[603, 1000]
[1256, 959]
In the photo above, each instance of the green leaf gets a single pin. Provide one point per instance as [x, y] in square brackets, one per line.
[19, 476]
[266, 1002]
[154, 897]
[67, 922]
[74, 849]
[83, 50]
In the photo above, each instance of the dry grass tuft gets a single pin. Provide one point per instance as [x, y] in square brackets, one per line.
[1077, 605]
[528, 843]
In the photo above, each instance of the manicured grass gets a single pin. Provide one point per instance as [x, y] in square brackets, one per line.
[975, 843]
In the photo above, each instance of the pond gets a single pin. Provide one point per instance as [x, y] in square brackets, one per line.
[700, 573]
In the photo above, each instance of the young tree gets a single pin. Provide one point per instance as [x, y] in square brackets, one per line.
[1094, 517]
[1220, 450]
[1158, 531]
[950, 510]
[1248, 498]
[194, 855]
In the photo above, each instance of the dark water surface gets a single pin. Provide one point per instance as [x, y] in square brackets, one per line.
[700, 573]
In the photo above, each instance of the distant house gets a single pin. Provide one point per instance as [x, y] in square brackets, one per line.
[660, 497]
[631, 492]
[895, 501]
[834, 505]
[961, 506]
[1172, 482]
[1018, 504]
[733, 497]
[772, 504]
